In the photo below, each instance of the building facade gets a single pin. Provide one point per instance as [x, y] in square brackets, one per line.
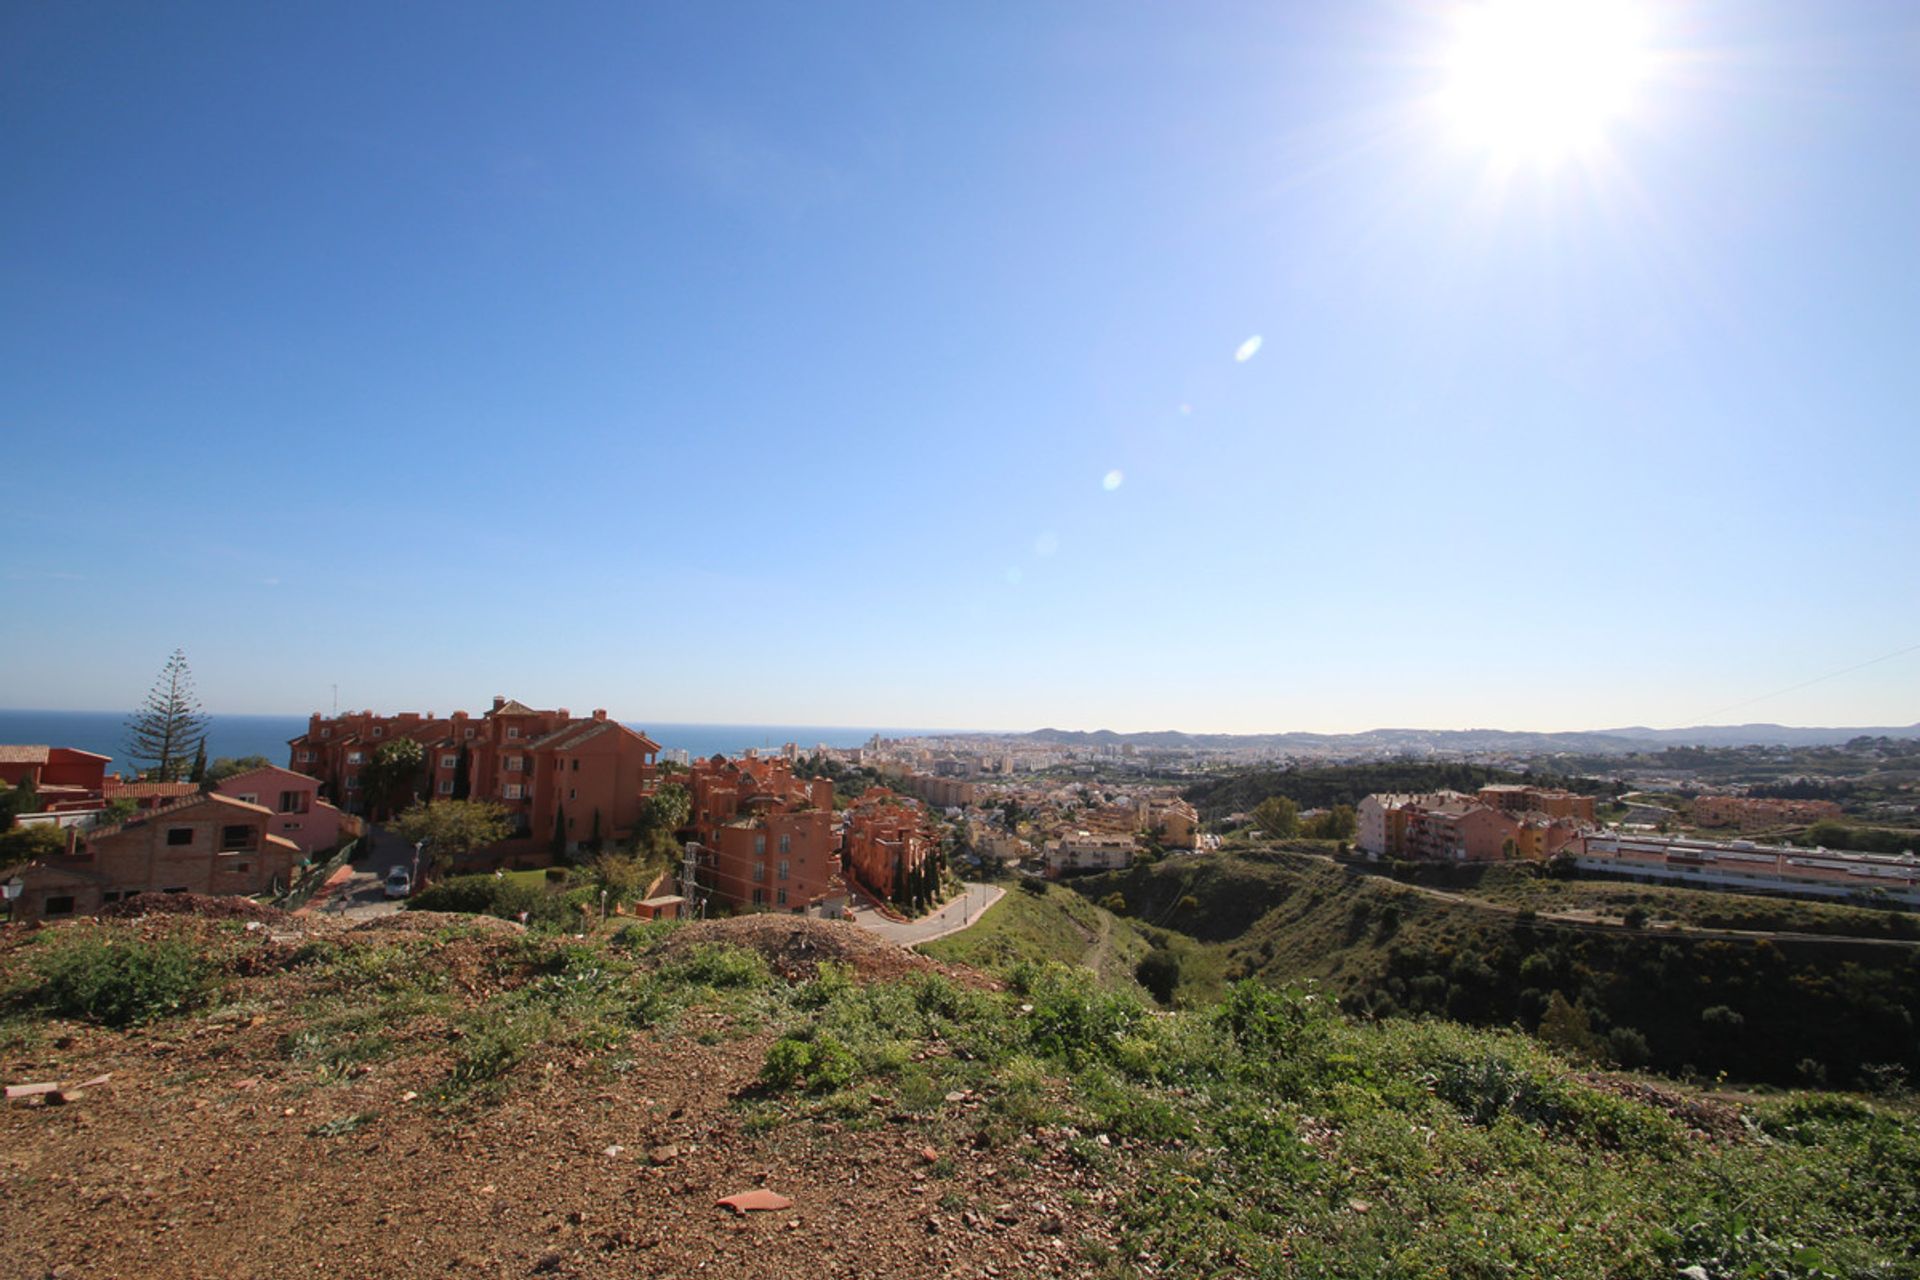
[299, 814]
[210, 844]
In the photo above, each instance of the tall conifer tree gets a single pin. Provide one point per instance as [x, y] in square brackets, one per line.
[169, 729]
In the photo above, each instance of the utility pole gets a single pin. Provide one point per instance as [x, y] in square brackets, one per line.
[689, 882]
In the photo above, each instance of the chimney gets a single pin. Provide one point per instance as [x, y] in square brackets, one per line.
[499, 701]
[599, 713]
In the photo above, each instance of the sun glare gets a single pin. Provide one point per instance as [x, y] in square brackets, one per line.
[1540, 80]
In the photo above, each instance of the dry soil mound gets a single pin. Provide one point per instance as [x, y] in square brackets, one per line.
[193, 904]
[434, 921]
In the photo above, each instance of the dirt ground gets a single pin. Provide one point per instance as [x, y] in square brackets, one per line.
[209, 1153]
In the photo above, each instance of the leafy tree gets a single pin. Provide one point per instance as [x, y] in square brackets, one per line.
[169, 729]
[390, 775]
[24, 844]
[20, 799]
[1277, 816]
[655, 841]
[454, 826]
[1567, 1027]
[225, 767]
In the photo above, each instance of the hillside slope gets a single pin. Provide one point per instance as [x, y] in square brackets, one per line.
[446, 1097]
[1781, 1011]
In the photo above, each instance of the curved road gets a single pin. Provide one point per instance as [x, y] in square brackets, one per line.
[952, 918]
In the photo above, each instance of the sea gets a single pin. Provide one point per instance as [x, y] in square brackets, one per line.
[105, 733]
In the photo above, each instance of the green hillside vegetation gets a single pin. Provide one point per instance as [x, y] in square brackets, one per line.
[1832, 1009]
[1054, 925]
[1542, 889]
[1266, 1135]
[1324, 787]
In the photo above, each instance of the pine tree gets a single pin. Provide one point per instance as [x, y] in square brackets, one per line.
[170, 728]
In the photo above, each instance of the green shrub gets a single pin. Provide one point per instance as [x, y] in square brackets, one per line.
[118, 982]
[819, 1065]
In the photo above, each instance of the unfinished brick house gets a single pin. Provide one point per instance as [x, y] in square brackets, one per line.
[210, 844]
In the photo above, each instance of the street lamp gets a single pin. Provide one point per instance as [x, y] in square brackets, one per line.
[414, 880]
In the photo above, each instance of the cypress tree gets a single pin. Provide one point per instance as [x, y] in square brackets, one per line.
[461, 787]
[169, 728]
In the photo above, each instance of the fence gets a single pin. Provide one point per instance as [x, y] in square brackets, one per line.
[296, 897]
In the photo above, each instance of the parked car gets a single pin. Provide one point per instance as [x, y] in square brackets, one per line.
[399, 882]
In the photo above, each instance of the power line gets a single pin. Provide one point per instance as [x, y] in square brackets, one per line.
[1795, 688]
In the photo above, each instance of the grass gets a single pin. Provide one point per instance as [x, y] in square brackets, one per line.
[1056, 926]
[1265, 1134]
[1268, 1136]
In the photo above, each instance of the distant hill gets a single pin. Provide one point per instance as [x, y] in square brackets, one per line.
[1518, 742]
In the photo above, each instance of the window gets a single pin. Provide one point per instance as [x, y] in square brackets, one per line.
[326, 733]
[513, 732]
[449, 762]
[355, 757]
[515, 764]
[786, 844]
[572, 794]
[293, 802]
[511, 791]
[234, 839]
[241, 866]
[378, 731]
[469, 735]
[178, 836]
[759, 846]
[783, 869]
[576, 764]
[111, 895]
[781, 897]
[446, 786]
[759, 897]
[60, 906]
[251, 797]
[353, 784]
[759, 873]
[289, 826]
[306, 757]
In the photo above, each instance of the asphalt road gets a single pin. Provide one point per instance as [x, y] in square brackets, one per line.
[952, 918]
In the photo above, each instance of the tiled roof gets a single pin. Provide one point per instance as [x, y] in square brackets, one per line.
[23, 755]
[514, 707]
[115, 789]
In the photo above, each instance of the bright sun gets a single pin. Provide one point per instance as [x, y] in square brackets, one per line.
[1539, 80]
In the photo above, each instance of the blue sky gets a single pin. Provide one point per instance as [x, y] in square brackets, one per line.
[769, 364]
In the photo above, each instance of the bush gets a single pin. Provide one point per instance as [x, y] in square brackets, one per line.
[118, 982]
[819, 1065]
[1036, 887]
[1115, 902]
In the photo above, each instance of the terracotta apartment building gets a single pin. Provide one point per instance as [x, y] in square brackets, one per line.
[1450, 826]
[766, 838]
[210, 844]
[885, 841]
[561, 778]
